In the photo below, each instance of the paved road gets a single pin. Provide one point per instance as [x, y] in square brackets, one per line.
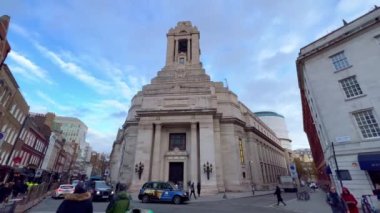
[261, 204]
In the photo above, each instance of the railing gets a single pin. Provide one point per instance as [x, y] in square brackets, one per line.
[25, 201]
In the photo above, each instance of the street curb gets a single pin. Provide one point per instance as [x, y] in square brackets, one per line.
[219, 198]
[31, 204]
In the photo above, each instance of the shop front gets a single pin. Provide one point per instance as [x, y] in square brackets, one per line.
[370, 162]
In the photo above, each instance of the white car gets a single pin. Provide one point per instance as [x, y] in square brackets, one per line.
[62, 190]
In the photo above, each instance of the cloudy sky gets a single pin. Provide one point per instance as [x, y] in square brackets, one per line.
[88, 58]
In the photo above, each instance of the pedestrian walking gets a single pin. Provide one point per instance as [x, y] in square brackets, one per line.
[192, 191]
[278, 194]
[336, 203]
[5, 191]
[80, 201]
[120, 203]
[350, 200]
[199, 189]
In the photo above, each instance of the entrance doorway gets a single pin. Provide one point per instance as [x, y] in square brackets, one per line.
[176, 172]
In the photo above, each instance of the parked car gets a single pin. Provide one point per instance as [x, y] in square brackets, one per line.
[162, 191]
[62, 190]
[100, 190]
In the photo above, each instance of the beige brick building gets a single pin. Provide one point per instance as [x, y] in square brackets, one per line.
[13, 112]
[184, 127]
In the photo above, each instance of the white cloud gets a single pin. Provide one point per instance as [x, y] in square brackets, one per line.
[75, 71]
[49, 100]
[32, 71]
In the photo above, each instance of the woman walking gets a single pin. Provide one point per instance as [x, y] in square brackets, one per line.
[350, 200]
[279, 198]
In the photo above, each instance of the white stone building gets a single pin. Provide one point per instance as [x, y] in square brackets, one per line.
[56, 144]
[182, 122]
[339, 77]
[277, 123]
[74, 130]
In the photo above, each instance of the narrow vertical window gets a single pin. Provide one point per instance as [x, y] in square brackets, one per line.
[241, 151]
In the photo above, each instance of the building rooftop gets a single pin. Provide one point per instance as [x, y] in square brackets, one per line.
[268, 113]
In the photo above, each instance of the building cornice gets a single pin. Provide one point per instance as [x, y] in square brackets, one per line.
[148, 113]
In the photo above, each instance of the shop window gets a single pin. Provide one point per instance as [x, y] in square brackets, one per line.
[343, 174]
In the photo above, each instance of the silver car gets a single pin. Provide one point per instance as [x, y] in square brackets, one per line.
[62, 190]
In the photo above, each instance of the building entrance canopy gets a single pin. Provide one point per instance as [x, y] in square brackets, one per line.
[369, 161]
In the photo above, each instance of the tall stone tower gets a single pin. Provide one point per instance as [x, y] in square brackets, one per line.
[183, 45]
[184, 127]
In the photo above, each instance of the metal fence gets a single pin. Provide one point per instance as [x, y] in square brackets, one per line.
[27, 200]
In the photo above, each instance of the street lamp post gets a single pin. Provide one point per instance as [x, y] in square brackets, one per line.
[336, 164]
[250, 171]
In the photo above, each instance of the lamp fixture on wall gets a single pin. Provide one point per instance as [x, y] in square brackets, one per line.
[207, 168]
[139, 168]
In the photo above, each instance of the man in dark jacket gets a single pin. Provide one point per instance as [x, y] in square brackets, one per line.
[5, 191]
[80, 201]
[335, 201]
[199, 189]
[120, 203]
[278, 194]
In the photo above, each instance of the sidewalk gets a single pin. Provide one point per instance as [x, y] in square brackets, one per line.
[316, 204]
[219, 196]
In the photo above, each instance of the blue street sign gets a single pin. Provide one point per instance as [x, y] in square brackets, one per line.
[2, 136]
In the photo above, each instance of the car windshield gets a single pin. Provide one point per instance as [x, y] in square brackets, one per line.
[173, 186]
[66, 187]
[101, 184]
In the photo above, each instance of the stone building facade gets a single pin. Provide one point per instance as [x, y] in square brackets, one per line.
[5, 48]
[184, 127]
[338, 77]
[13, 112]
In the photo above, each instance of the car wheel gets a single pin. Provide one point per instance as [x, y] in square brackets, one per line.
[176, 200]
[145, 199]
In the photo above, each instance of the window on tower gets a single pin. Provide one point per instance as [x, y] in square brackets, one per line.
[182, 46]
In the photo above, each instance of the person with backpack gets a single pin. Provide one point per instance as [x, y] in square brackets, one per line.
[120, 203]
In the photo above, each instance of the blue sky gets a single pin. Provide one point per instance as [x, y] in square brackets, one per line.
[88, 58]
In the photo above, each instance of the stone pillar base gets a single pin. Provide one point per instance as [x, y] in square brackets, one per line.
[209, 190]
[135, 187]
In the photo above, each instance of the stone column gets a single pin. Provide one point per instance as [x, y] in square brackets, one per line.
[143, 154]
[194, 154]
[156, 154]
[255, 150]
[207, 154]
[218, 158]
[188, 50]
[170, 50]
[175, 51]
[195, 51]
